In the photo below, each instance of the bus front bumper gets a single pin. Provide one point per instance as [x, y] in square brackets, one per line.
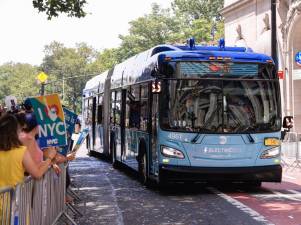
[271, 173]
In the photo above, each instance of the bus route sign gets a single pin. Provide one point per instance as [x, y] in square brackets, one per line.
[50, 117]
[298, 58]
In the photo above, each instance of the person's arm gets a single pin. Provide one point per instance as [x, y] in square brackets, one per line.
[31, 167]
[71, 156]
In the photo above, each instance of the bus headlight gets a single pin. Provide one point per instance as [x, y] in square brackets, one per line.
[270, 153]
[171, 152]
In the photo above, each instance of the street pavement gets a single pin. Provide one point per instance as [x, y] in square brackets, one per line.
[115, 197]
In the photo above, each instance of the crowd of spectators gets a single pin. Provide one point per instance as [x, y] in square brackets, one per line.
[20, 154]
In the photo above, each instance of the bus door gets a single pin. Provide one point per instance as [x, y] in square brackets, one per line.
[154, 133]
[93, 122]
[99, 129]
[89, 123]
[118, 127]
[132, 125]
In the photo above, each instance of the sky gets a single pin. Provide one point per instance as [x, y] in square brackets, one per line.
[24, 32]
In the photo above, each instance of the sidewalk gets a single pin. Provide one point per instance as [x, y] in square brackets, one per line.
[95, 190]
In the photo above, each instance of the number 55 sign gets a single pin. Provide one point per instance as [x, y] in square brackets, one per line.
[50, 117]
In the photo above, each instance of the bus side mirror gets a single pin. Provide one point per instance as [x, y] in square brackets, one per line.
[154, 72]
[288, 122]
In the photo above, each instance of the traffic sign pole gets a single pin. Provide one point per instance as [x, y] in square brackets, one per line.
[42, 78]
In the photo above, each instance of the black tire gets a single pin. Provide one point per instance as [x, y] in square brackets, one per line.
[254, 183]
[114, 159]
[162, 182]
[88, 146]
[143, 168]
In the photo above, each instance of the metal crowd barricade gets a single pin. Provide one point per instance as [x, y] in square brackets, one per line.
[6, 197]
[291, 157]
[40, 202]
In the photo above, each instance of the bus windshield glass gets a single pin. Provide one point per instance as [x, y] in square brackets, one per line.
[220, 105]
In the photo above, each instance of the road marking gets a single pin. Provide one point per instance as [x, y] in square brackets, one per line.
[289, 177]
[297, 194]
[255, 215]
[118, 211]
[281, 195]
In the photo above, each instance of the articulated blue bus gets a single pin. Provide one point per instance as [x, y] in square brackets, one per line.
[189, 112]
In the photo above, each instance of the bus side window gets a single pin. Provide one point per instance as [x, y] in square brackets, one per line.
[112, 118]
[86, 111]
[99, 110]
[133, 107]
[117, 111]
[99, 114]
[90, 108]
[144, 107]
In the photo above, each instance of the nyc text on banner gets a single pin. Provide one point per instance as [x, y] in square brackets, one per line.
[50, 117]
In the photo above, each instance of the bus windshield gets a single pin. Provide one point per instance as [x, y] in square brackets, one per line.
[220, 105]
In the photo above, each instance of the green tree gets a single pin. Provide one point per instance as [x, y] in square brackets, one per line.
[157, 27]
[196, 9]
[186, 18]
[19, 80]
[107, 59]
[69, 69]
[52, 8]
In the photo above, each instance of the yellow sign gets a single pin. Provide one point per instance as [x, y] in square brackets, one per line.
[271, 142]
[42, 77]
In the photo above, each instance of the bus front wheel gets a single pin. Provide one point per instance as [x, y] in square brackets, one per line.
[255, 183]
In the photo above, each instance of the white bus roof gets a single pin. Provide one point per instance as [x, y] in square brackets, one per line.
[94, 82]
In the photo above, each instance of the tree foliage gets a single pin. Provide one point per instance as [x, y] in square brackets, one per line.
[52, 8]
[186, 18]
[69, 69]
[197, 9]
[19, 80]
[157, 27]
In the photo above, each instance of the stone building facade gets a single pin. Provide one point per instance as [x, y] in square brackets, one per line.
[248, 23]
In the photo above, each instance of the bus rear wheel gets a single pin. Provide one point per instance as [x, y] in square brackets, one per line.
[114, 158]
[88, 146]
[143, 165]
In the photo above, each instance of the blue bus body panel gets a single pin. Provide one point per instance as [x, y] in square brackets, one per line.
[132, 140]
[217, 150]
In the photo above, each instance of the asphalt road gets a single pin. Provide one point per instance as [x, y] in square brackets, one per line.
[116, 197]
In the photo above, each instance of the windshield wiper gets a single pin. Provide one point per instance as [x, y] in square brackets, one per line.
[248, 129]
[197, 136]
[195, 139]
[251, 139]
